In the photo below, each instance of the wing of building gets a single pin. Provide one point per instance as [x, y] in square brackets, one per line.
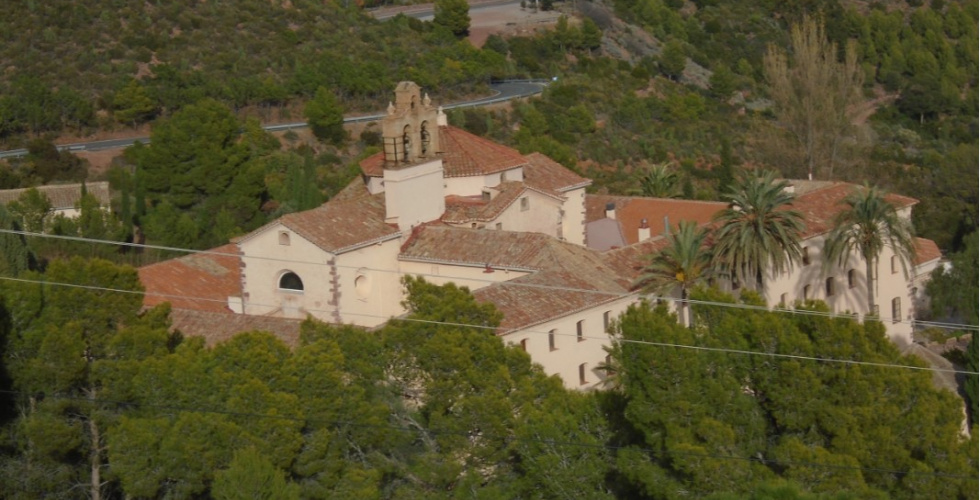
[518, 230]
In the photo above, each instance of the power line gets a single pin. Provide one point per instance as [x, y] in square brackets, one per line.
[535, 332]
[612, 295]
[339, 424]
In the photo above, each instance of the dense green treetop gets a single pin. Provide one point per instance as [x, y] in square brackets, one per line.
[428, 407]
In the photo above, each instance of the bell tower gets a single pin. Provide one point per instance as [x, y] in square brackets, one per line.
[413, 175]
[410, 131]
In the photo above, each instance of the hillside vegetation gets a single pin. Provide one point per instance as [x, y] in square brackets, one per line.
[641, 82]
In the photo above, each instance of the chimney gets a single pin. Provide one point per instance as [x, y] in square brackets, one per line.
[644, 233]
[611, 210]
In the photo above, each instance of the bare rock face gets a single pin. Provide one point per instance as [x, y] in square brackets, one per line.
[632, 43]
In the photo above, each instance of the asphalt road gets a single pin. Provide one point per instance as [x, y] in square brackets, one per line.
[503, 91]
[424, 11]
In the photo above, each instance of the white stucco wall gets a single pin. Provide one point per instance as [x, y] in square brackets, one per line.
[414, 194]
[569, 352]
[573, 219]
[370, 284]
[265, 260]
[466, 186]
[540, 216]
[847, 298]
[473, 185]
[330, 290]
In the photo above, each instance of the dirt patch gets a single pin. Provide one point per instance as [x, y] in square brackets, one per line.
[508, 20]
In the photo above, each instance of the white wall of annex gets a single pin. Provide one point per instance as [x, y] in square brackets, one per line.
[569, 353]
[465, 186]
[541, 214]
[370, 290]
[573, 219]
[847, 297]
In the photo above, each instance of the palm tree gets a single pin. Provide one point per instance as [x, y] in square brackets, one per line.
[684, 263]
[658, 181]
[867, 225]
[758, 233]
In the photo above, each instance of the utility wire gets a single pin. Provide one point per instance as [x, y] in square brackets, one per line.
[612, 295]
[535, 332]
[339, 424]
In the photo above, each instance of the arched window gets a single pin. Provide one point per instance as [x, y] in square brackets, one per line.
[425, 138]
[290, 281]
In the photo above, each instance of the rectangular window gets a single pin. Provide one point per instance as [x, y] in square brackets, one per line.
[551, 340]
[499, 226]
[525, 204]
[851, 278]
[783, 298]
[895, 264]
[605, 321]
[896, 309]
[580, 330]
[806, 256]
[830, 286]
[582, 368]
[806, 292]
[524, 345]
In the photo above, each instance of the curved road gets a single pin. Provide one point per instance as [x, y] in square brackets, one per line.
[503, 91]
[425, 11]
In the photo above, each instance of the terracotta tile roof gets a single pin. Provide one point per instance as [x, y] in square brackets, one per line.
[559, 271]
[926, 251]
[63, 196]
[820, 204]
[463, 209]
[201, 281]
[217, 327]
[463, 154]
[547, 174]
[340, 224]
[628, 262]
[546, 295]
[631, 210]
[500, 249]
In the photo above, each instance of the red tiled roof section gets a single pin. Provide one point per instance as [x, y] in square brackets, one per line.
[630, 211]
[504, 249]
[462, 209]
[202, 281]
[463, 154]
[340, 224]
[218, 327]
[820, 206]
[546, 295]
[628, 262]
[926, 251]
[373, 166]
[547, 174]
